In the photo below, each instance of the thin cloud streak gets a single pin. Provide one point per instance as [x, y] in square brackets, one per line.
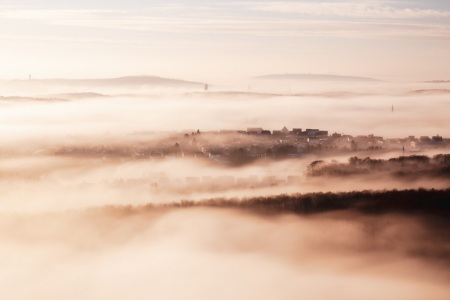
[353, 10]
[145, 22]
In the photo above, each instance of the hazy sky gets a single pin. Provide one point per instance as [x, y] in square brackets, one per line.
[206, 40]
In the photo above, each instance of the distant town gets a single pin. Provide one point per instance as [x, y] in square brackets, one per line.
[242, 146]
[239, 147]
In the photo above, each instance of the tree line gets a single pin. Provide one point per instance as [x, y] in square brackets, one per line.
[403, 166]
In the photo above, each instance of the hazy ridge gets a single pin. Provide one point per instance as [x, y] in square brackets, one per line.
[317, 77]
[120, 81]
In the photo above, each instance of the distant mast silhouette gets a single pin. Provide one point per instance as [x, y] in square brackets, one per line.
[206, 86]
[392, 108]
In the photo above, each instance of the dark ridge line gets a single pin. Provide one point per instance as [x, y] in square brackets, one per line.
[409, 201]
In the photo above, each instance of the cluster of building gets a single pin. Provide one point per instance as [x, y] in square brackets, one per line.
[259, 142]
[238, 147]
[284, 132]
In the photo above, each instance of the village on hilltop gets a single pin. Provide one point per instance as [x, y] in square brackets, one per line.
[240, 146]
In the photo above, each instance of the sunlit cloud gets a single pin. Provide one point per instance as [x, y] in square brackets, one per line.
[146, 21]
[193, 31]
[351, 9]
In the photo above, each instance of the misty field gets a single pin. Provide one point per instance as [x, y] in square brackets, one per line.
[238, 150]
[117, 189]
[208, 250]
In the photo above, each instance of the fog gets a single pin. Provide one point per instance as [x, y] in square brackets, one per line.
[59, 183]
[40, 140]
[221, 254]
[79, 163]
[358, 110]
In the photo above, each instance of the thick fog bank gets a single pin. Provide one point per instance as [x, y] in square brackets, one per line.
[382, 109]
[99, 201]
[54, 183]
[221, 254]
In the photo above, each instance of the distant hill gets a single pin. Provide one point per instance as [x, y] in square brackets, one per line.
[73, 96]
[120, 81]
[24, 98]
[438, 81]
[430, 92]
[317, 77]
[236, 94]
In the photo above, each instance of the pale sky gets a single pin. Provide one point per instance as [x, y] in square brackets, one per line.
[205, 40]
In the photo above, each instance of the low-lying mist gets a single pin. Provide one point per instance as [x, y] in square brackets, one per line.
[108, 192]
[222, 254]
[159, 110]
[54, 183]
